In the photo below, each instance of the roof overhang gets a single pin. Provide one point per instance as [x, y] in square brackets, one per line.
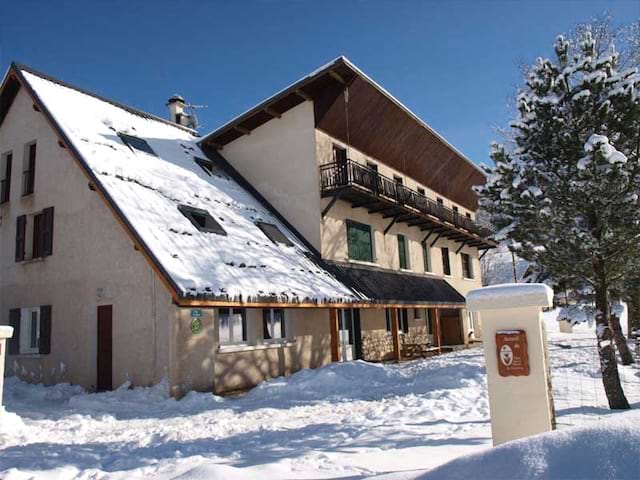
[379, 125]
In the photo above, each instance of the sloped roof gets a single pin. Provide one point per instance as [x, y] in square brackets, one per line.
[146, 190]
[391, 287]
[376, 121]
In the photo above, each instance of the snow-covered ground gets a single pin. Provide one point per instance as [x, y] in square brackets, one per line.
[345, 420]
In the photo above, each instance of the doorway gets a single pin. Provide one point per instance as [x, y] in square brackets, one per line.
[104, 358]
[350, 334]
[451, 327]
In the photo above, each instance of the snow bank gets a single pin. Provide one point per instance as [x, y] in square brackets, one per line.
[510, 295]
[608, 449]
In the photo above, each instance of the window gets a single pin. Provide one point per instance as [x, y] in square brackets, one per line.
[339, 154]
[274, 234]
[205, 165]
[34, 235]
[402, 252]
[426, 256]
[446, 265]
[398, 179]
[136, 143]
[417, 313]
[5, 177]
[455, 209]
[421, 191]
[429, 321]
[372, 166]
[467, 266]
[29, 171]
[440, 201]
[273, 323]
[232, 326]
[403, 319]
[31, 330]
[201, 220]
[468, 215]
[359, 241]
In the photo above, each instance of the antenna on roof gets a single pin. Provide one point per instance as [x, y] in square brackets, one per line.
[183, 113]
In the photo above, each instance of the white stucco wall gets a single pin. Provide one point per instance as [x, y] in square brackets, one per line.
[278, 159]
[93, 263]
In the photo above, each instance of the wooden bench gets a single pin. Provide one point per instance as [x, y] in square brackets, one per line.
[419, 350]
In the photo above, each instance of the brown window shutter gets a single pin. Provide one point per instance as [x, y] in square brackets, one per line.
[21, 227]
[32, 167]
[47, 232]
[44, 347]
[14, 342]
[6, 186]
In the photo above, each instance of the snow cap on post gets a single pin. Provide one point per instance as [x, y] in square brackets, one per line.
[510, 295]
[6, 332]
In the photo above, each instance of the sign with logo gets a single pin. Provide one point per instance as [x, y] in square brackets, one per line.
[196, 321]
[513, 359]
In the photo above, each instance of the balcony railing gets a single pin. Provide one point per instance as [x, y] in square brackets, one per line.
[339, 175]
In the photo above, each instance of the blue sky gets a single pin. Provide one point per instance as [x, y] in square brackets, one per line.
[454, 63]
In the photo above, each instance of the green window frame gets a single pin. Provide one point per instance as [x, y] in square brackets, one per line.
[402, 251]
[359, 241]
[426, 256]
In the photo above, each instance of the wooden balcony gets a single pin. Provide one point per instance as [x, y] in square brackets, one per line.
[364, 187]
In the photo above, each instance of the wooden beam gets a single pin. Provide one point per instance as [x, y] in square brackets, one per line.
[302, 95]
[461, 247]
[382, 209]
[215, 145]
[334, 328]
[366, 204]
[395, 334]
[484, 253]
[329, 206]
[436, 239]
[272, 112]
[437, 335]
[242, 130]
[427, 237]
[337, 76]
[420, 223]
[390, 224]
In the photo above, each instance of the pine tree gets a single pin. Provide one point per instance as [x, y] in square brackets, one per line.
[567, 194]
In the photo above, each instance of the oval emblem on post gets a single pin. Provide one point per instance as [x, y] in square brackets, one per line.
[196, 325]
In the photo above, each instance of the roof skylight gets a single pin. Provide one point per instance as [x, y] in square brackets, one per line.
[274, 234]
[136, 143]
[201, 220]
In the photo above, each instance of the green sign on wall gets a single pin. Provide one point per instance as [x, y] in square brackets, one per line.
[196, 321]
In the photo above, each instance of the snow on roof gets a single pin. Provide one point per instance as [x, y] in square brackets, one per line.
[510, 295]
[242, 265]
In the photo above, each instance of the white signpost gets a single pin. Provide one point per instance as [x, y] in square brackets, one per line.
[5, 332]
[515, 351]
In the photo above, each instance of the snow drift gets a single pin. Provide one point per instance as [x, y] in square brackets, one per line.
[606, 449]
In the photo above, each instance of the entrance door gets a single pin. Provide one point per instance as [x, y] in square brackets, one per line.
[450, 324]
[350, 334]
[104, 380]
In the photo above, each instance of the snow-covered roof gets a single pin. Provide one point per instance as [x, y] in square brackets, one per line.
[243, 265]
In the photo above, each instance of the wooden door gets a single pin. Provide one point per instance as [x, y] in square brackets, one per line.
[104, 380]
[450, 324]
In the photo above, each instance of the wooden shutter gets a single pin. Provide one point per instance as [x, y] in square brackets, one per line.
[32, 169]
[44, 347]
[21, 230]
[14, 342]
[6, 188]
[47, 231]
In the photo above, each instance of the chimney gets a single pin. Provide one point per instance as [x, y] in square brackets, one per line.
[176, 106]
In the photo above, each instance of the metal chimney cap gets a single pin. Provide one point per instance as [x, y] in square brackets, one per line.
[175, 98]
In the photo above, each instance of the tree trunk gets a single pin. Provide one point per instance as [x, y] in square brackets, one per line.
[621, 342]
[608, 364]
[633, 302]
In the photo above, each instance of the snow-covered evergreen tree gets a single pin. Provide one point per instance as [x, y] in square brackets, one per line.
[567, 194]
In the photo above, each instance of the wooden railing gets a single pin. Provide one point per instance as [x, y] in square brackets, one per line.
[337, 175]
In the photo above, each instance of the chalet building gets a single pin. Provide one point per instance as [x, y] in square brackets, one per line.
[386, 201]
[328, 223]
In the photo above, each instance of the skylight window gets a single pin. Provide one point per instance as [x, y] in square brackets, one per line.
[136, 143]
[206, 165]
[274, 234]
[201, 220]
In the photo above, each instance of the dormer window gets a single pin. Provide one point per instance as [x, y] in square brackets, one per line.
[274, 234]
[136, 143]
[206, 165]
[201, 220]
